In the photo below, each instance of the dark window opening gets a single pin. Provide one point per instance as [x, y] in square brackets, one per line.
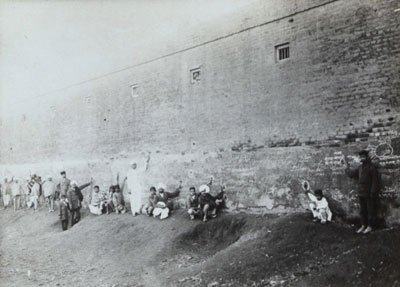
[282, 52]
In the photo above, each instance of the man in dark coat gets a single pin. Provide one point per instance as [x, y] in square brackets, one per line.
[368, 189]
[75, 198]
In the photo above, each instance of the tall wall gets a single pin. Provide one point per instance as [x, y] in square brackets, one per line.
[259, 125]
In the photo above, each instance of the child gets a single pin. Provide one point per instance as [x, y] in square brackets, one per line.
[97, 202]
[64, 212]
[319, 206]
[118, 200]
[152, 202]
[192, 203]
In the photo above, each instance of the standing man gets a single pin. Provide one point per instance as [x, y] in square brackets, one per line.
[16, 191]
[64, 185]
[135, 179]
[49, 190]
[368, 188]
[6, 192]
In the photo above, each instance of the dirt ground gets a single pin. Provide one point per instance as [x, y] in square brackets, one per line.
[232, 250]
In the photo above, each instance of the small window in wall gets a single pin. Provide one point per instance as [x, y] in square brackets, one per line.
[195, 75]
[134, 90]
[282, 52]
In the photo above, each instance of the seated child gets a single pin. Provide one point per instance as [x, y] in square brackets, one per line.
[110, 197]
[192, 204]
[118, 200]
[319, 206]
[97, 202]
[64, 212]
[151, 203]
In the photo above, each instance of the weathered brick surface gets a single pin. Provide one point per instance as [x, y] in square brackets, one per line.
[258, 125]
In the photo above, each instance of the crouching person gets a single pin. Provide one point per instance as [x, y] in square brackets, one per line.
[64, 212]
[164, 201]
[192, 204]
[209, 203]
[319, 206]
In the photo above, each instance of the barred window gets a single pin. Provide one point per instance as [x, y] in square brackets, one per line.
[282, 52]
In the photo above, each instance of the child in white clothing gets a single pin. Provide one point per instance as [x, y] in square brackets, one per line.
[319, 206]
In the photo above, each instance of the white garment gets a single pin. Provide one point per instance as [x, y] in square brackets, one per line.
[49, 188]
[35, 190]
[15, 189]
[135, 185]
[6, 199]
[320, 208]
[163, 212]
[323, 203]
[95, 209]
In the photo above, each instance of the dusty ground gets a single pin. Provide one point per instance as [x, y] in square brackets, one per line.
[232, 250]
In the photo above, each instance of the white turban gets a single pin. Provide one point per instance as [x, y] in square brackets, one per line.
[161, 186]
[74, 183]
[204, 188]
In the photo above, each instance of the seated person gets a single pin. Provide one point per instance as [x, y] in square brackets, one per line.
[208, 203]
[109, 201]
[164, 201]
[97, 202]
[319, 206]
[192, 203]
[118, 199]
[151, 203]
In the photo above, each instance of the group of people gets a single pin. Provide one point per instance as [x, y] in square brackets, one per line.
[158, 202]
[29, 192]
[367, 177]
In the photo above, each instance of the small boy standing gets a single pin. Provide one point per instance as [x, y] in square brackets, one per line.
[319, 206]
[64, 212]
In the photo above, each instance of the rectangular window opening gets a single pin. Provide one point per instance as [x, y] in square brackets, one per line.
[282, 52]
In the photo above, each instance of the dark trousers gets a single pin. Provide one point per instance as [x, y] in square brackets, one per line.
[64, 224]
[368, 208]
[75, 216]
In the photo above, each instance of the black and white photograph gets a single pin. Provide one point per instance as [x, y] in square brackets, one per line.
[200, 143]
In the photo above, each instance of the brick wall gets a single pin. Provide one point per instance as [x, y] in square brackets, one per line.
[258, 125]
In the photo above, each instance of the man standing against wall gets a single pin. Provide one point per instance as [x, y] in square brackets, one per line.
[368, 188]
[64, 185]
